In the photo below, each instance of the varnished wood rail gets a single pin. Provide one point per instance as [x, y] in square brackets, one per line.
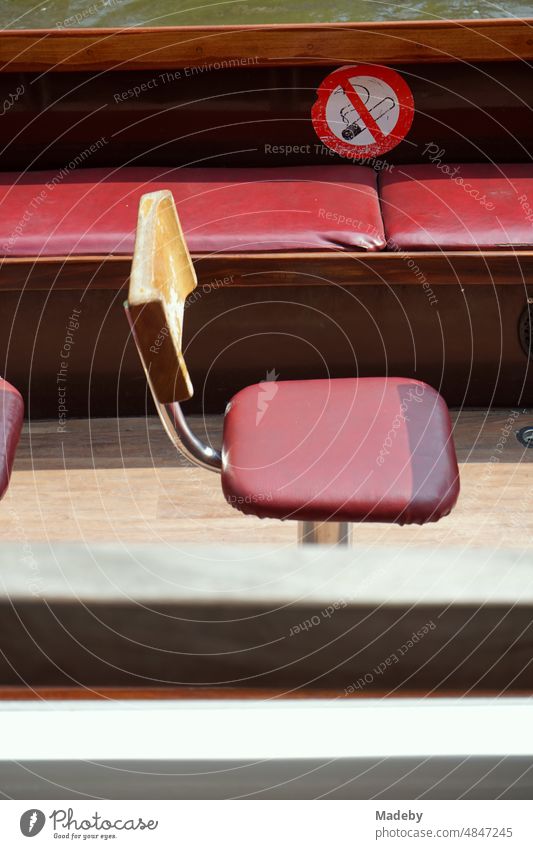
[83, 694]
[305, 268]
[390, 42]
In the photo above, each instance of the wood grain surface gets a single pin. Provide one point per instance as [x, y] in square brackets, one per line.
[395, 42]
[319, 268]
[121, 480]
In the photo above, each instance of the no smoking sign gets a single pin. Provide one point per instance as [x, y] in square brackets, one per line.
[363, 110]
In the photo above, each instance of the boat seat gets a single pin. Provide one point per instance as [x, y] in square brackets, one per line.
[458, 207]
[324, 452]
[351, 450]
[11, 415]
[94, 211]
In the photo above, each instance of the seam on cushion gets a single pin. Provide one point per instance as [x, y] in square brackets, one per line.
[380, 206]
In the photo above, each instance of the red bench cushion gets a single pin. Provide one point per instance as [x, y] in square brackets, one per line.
[94, 211]
[11, 415]
[471, 207]
[357, 450]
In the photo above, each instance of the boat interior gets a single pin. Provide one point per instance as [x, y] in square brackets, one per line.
[138, 587]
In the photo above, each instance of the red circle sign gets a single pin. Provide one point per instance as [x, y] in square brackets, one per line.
[363, 110]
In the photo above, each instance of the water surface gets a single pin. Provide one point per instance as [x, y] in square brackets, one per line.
[104, 13]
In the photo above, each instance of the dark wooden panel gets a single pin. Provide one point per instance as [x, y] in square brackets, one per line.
[282, 44]
[251, 116]
[466, 344]
[35, 327]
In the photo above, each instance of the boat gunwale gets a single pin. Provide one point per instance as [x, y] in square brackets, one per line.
[447, 23]
[268, 45]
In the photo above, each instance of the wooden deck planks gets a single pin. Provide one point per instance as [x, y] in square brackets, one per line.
[120, 480]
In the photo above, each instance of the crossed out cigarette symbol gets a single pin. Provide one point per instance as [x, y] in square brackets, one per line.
[371, 98]
[358, 117]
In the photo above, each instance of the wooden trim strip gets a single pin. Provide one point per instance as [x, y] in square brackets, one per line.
[73, 273]
[47, 694]
[138, 48]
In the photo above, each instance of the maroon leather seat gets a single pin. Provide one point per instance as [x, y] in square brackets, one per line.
[369, 449]
[469, 207]
[94, 211]
[11, 415]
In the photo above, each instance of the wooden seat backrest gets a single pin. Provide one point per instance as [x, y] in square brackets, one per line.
[162, 275]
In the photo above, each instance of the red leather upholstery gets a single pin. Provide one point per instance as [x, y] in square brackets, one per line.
[358, 450]
[11, 415]
[94, 211]
[472, 207]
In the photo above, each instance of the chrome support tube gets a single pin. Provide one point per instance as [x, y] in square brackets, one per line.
[175, 424]
[185, 440]
[324, 533]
